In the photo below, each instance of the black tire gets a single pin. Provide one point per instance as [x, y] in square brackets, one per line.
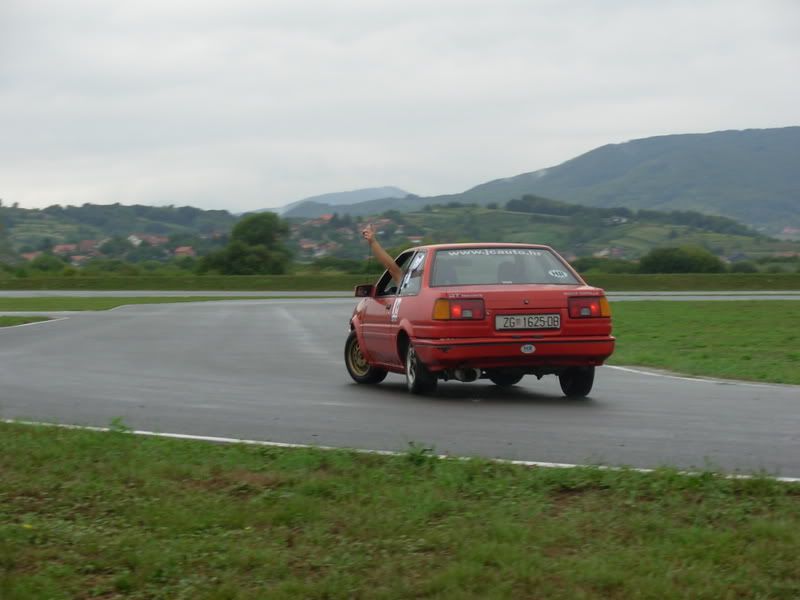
[418, 379]
[360, 370]
[505, 378]
[576, 382]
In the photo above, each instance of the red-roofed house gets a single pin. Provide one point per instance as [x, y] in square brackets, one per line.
[184, 251]
[65, 248]
[88, 245]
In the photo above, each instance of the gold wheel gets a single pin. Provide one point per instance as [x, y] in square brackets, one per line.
[358, 363]
[358, 367]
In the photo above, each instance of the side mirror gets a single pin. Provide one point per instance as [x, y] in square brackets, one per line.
[365, 290]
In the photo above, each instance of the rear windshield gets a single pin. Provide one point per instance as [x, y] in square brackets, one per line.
[482, 266]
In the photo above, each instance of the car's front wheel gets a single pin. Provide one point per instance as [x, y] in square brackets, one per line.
[358, 367]
[418, 378]
[576, 382]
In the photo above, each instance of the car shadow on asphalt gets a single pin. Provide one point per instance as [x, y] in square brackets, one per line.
[476, 393]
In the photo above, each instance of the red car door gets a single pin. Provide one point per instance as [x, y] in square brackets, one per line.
[379, 322]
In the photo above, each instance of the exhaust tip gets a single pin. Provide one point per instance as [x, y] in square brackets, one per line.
[466, 374]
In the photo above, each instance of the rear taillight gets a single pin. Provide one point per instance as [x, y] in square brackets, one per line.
[586, 307]
[451, 308]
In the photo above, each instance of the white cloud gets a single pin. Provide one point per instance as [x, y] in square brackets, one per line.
[246, 104]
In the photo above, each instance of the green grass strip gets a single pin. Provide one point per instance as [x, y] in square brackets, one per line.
[13, 321]
[674, 282]
[101, 515]
[736, 339]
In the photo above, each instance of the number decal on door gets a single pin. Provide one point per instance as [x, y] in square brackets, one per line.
[395, 308]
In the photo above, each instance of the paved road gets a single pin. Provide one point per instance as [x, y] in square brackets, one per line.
[273, 370]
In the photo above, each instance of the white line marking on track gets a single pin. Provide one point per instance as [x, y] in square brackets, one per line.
[224, 440]
[37, 322]
[699, 379]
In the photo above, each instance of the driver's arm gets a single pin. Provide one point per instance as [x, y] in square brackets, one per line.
[387, 261]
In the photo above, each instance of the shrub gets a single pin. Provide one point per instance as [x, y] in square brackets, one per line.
[744, 266]
[47, 263]
[686, 259]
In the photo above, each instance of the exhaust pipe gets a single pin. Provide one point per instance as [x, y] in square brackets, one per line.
[466, 374]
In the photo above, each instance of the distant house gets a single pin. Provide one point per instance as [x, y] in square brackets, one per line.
[78, 259]
[321, 220]
[326, 249]
[415, 239]
[306, 244]
[154, 240]
[65, 248]
[88, 245]
[184, 251]
[29, 256]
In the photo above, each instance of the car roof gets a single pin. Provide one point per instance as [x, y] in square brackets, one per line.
[480, 245]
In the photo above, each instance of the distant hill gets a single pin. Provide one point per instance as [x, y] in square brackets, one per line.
[752, 176]
[309, 207]
[574, 230]
[28, 229]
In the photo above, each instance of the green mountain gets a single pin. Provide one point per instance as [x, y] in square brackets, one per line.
[309, 206]
[30, 229]
[752, 176]
[574, 230]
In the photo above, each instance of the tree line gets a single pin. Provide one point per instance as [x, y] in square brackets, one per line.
[689, 218]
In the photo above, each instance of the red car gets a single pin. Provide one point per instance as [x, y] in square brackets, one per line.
[475, 311]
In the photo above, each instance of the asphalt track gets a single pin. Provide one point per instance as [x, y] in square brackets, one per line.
[273, 370]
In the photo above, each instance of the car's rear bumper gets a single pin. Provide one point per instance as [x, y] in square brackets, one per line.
[487, 353]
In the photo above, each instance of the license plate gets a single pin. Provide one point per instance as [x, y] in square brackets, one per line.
[541, 321]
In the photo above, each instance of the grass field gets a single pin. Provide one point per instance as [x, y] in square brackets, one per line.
[737, 339]
[331, 282]
[112, 515]
[12, 321]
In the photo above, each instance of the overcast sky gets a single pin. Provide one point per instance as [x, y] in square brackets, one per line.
[247, 104]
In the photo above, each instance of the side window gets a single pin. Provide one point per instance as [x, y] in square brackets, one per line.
[412, 278]
[387, 287]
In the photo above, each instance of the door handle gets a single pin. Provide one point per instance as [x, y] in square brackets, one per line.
[388, 307]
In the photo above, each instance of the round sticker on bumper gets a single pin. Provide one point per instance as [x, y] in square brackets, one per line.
[528, 349]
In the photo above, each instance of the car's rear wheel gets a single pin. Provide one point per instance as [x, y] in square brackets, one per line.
[418, 378]
[505, 378]
[576, 382]
[358, 367]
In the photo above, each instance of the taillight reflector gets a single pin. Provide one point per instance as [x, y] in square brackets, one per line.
[450, 308]
[587, 307]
